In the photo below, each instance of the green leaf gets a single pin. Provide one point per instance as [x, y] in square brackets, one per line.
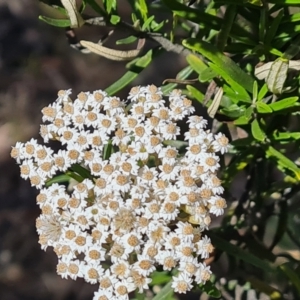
[265, 288]
[283, 161]
[237, 252]
[228, 78]
[242, 120]
[233, 96]
[146, 25]
[271, 32]
[135, 67]
[262, 93]
[210, 289]
[222, 61]
[207, 75]
[56, 22]
[263, 108]
[128, 40]
[292, 275]
[110, 5]
[239, 162]
[291, 18]
[228, 21]
[96, 7]
[257, 132]
[164, 293]
[196, 94]
[83, 172]
[196, 63]
[140, 8]
[58, 179]
[285, 2]
[108, 150]
[234, 111]
[115, 19]
[209, 20]
[157, 26]
[254, 92]
[284, 103]
[282, 136]
[281, 224]
[159, 278]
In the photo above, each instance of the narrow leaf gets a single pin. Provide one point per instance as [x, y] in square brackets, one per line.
[195, 93]
[292, 275]
[58, 179]
[135, 67]
[281, 225]
[196, 63]
[146, 25]
[257, 132]
[96, 7]
[209, 20]
[210, 289]
[222, 61]
[283, 161]
[271, 32]
[263, 108]
[262, 93]
[283, 104]
[226, 27]
[55, 22]
[110, 5]
[255, 92]
[165, 292]
[237, 252]
[235, 86]
[286, 136]
[207, 75]
[128, 40]
[160, 277]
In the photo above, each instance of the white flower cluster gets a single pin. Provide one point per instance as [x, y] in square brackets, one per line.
[138, 204]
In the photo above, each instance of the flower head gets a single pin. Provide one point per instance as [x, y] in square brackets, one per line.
[130, 183]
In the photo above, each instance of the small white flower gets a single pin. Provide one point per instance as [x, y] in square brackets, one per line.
[210, 162]
[197, 122]
[106, 124]
[144, 265]
[220, 143]
[121, 269]
[168, 259]
[92, 272]
[182, 283]
[217, 205]
[169, 131]
[203, 273]
[95, 254]
[204, 247]
[114, 106]
[135, 93]
[27, 168]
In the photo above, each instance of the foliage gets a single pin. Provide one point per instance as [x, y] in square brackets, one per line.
[245, 57]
